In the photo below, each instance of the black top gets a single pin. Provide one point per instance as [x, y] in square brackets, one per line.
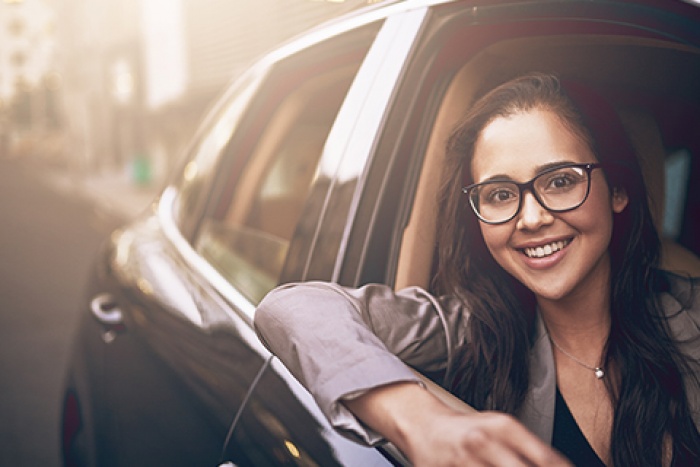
[568, 439]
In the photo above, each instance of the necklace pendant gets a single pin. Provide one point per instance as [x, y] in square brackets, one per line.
[599, 373]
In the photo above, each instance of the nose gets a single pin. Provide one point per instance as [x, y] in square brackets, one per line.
[532, 214]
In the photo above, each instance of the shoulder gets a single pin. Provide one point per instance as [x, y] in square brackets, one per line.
[681, 300]
[684, 289]
[376, 304]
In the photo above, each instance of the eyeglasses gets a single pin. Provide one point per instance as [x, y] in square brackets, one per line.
[558, 189]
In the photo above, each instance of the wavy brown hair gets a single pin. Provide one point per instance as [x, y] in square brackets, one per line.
[647, 390]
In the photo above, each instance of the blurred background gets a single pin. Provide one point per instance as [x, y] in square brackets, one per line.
[96, 85]
[98, 100]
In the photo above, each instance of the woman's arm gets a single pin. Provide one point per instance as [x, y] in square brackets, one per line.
[340, 342]
[429, 432]
[347, 345]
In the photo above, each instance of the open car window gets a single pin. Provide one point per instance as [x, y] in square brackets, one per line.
[660, 112]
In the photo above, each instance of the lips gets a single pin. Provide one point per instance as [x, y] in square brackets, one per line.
[548, 249]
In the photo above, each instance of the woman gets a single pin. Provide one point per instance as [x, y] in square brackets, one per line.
[553, 320]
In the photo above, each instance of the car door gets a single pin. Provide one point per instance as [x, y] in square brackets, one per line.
[317, 245]
[256, 223]
[268, 175]
[171, 376]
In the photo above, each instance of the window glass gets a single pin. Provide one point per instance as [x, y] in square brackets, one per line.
[208, 147]
[677, 175]
[271, 161]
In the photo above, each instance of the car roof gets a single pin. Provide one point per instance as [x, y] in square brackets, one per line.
[383, 9]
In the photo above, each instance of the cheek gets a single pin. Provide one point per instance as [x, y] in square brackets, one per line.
[496, 238]
[596, 213]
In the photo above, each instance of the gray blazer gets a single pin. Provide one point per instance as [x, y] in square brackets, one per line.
[341, 342]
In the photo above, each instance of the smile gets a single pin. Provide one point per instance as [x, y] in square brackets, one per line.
[545, 250]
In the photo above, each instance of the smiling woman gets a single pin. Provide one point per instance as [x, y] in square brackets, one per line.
[551, 296]
[597, 298]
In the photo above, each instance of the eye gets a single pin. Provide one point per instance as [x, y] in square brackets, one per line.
[498, 194]
[563, 180]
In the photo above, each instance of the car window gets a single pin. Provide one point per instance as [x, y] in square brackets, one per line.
[677, 176]
[270, 163]
[208, 146]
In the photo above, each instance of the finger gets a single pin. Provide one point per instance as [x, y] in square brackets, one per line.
[488, 442]
[496, 454]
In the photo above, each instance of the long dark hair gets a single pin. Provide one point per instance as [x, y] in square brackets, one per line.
[647, 391]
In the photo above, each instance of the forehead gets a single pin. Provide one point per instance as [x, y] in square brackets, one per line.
[519, 145]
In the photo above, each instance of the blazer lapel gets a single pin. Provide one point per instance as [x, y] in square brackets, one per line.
[537, 412]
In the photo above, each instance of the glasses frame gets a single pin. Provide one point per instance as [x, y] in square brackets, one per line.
[530, 186]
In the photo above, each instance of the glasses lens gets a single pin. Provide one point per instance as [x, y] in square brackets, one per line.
[495, 201]
[562, 189]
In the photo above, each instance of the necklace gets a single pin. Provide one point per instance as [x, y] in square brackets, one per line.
[598, 371]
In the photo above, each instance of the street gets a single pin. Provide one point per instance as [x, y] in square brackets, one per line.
[47, 240]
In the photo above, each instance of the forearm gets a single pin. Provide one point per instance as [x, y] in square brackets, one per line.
[429, 432]
[394, 409]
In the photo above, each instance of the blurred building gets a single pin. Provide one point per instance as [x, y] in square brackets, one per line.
[28, 85]
[138, 75]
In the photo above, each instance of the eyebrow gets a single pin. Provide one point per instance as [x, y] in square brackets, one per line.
[539, 169]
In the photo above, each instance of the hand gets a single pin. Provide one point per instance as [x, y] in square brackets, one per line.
[480, 439]
[432, 434]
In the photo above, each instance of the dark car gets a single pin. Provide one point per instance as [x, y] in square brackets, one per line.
[321, 162]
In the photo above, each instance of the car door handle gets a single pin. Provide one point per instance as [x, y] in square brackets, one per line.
[104, 307]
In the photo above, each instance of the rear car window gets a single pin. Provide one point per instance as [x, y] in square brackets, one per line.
[270, 163]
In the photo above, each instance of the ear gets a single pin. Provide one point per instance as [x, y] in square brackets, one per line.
[619, 200]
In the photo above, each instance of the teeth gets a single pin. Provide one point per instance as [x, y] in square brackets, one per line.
[546, 250]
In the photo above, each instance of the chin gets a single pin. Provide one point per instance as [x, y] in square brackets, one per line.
[549, 292]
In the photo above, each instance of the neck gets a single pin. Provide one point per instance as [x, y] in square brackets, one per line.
[578, 325]
[582, 317]
[580, 342]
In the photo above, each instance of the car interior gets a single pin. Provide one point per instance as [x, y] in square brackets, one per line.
[248, 241]
[635, 72]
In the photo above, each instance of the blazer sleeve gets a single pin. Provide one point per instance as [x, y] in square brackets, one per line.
[340, 342]
[682, 308]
